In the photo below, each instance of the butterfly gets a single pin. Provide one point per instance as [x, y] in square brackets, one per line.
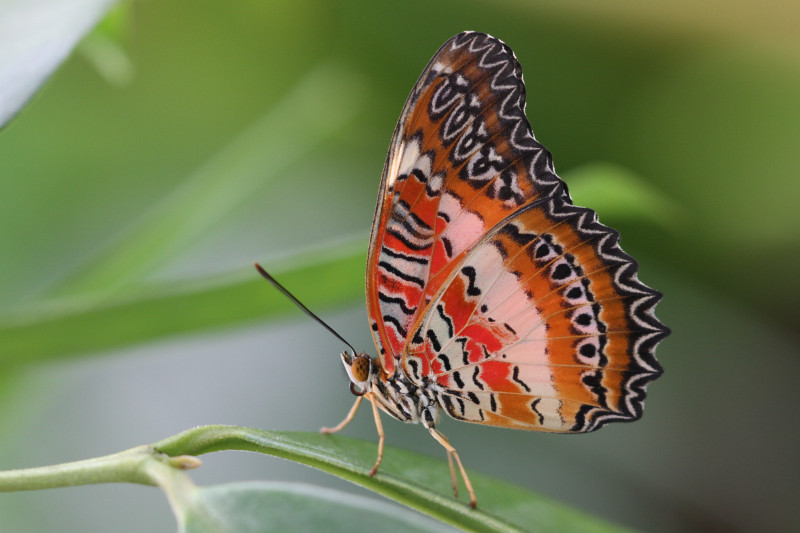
[490, 295]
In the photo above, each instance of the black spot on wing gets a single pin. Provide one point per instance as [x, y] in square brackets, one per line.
[446, 319]
[594, 382]
[451, 408]
[389, 319]
[506, 188]
[475, 378]
[419, 226]
[515, 377]
[486, 354]
[461, 406]
[448, 246]
[406, 241]
[414, 365]
[464, 353]
[574, 293]
[403, 257]
[535, 409]
[420, 175]
[388, 267]
[515, 234]
[470, 273]
[600, 324]
[396, 300]
[562, 271]
[580, 418]
[434, 340]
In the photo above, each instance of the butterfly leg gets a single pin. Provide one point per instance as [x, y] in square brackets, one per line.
[453, 479]
[381, 435]
[346, 420]
[453, 454]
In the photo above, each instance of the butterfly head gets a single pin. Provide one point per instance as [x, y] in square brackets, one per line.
[359, 370]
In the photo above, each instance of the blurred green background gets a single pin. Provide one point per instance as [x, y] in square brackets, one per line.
[182, 140]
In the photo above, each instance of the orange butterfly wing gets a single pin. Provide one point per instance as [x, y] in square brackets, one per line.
[462, 158]
[543, 325]
[455, 291]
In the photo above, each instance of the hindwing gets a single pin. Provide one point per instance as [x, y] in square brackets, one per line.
[543, 325]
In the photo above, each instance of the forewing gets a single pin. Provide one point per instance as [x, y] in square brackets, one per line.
[543, 325]
[462, 158]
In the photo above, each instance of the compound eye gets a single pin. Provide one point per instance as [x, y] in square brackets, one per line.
[357, 392]
[360, 368]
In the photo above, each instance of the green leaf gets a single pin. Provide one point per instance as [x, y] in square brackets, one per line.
[412, 479]
[285, 135]
[276, 506]
[35, 37]
[78, 328]
[409, 478]
[104, 46]
[101, 304]
[615, 191]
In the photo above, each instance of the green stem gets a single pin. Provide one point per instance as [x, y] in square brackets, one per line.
[143, 465]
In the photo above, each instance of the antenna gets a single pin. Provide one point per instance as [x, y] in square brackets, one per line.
[297, 302]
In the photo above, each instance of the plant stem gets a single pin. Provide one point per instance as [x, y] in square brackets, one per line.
[126, 466]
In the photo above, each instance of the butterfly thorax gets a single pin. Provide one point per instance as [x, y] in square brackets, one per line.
[404, 400]
[395, 393]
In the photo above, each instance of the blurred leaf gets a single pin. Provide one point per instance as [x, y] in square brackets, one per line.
[772, 22]
[412, 479]
[271, 506]
[35, 37]
[78, 327]
[104, 46]
[116, 23]
[285, 135]
[614, 191]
